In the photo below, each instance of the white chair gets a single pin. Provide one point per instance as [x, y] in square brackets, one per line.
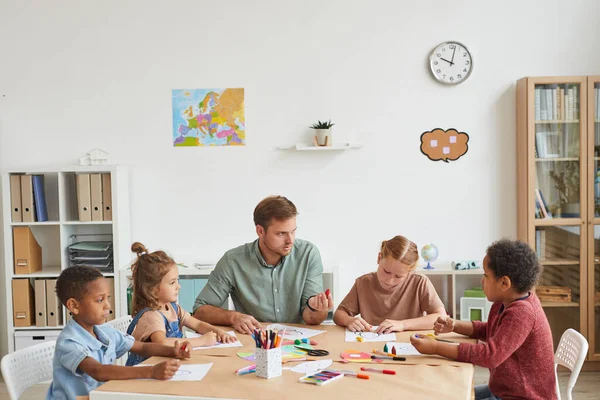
[571, 352]
[26, 367]
[121, 324]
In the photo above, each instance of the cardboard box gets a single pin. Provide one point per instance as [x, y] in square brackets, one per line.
[557, 294]
[27, 251]
[23, 303]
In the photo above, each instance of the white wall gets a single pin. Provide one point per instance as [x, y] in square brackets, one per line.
[76, 75]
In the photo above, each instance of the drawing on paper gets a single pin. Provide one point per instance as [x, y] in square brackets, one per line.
[208, 117]
[369, 336]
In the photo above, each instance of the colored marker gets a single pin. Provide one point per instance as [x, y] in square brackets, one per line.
[385, 348]
[327, 293]
[394, 350]
[395, 358]
[248, 371]
[383, 371]
[348, 373]
[253, 366]
[381, 353]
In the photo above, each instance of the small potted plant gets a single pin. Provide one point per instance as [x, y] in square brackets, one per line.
[323, 136]
[566, 182]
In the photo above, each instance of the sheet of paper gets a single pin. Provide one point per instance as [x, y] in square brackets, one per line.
[187, 372]
[294, 332]
[191, 335]
[403, 349]
[312, 366]
[369, 336]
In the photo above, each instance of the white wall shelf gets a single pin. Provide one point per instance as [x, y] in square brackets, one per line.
[333, 147]
[54, 237]
[450, 283]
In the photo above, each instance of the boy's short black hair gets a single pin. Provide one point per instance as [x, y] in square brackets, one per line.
[515, 259]
[73, 282]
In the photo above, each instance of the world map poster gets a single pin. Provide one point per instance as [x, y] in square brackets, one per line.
[208, 117]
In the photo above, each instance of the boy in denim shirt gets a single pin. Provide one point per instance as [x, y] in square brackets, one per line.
[86, 349]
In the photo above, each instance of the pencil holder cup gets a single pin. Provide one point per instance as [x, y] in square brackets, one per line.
[268, 362]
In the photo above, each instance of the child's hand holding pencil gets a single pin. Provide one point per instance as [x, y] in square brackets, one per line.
[182, 349]
[359, 325]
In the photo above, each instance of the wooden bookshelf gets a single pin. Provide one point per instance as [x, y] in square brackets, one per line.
[557, 134]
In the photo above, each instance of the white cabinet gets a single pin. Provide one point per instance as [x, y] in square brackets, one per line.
[55, 235]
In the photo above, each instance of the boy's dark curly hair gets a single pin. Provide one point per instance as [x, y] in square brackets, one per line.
[73, 282]
[515, 259]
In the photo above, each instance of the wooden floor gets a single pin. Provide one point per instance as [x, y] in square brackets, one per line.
[587, 387]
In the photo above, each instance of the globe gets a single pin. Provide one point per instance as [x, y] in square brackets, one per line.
[429, 253]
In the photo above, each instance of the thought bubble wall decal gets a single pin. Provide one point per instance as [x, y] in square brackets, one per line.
[441, 145]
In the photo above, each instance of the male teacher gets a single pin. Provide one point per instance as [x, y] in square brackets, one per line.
[276, 278]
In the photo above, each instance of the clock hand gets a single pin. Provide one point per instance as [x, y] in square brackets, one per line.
[454, 52]
[449, 62]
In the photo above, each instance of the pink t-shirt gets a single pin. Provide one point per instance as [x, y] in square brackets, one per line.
[375, 304]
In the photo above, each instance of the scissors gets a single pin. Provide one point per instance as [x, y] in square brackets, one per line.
[314, 352]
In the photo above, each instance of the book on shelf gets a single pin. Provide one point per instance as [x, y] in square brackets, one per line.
[39, 198]
[542, 205]
[540, 244]
[556, 102]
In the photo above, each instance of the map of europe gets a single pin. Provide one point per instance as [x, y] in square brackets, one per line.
[208, 117]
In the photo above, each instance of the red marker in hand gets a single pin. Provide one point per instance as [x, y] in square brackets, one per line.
[327, 293]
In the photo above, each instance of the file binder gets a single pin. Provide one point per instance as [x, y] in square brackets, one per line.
[96, 196]
[27, 251]
[83, 197]
[27, 198]
[23, 303]
[40, 303]
[53, 306]
[39, 198]
[106, 197]
[111, 299]
[15, 198]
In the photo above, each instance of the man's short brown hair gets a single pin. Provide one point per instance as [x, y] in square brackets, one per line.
[273, 207]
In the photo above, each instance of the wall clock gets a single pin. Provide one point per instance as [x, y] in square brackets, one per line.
[451, 63]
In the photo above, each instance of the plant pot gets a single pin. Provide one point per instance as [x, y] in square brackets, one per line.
[570, 210]
[322, 135]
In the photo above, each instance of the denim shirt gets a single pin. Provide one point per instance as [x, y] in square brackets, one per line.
[73, 345]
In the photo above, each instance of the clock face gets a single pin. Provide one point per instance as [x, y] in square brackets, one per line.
[451, 63]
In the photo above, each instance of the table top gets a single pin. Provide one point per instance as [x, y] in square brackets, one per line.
[422, 377]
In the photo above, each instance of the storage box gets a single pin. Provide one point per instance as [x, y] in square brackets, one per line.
[29, 338]
[474, 292]
[23, 303]
[557, 294]
[27, 251]
[474, 309]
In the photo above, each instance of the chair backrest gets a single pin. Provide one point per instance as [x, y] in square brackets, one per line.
[121, 324]
[571, 352]
[26, 367]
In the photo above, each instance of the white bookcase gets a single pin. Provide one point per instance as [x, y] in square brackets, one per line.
[54, 237]
[450, 284]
